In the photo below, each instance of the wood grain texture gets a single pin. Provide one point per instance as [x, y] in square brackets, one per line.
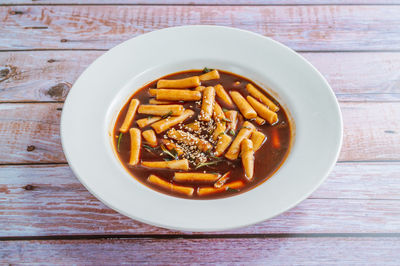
[372, 128]
[362, 181]
[306, 28]
[200, 2]
[263, 251]
[34, 125]
[49, 200]
[48, 75]
[355, 76]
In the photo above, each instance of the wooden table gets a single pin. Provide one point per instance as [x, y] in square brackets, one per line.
[47, 216]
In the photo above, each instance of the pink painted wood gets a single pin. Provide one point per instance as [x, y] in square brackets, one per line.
[200, 2]
[35, 125]
[57, 204]
[307, 28]
[353, 218]
[36, 76]
[257, 251]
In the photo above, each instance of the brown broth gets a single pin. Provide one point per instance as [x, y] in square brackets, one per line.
[267, 159]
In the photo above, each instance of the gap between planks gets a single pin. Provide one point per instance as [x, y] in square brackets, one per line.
[204, 2]
[105, 50]
[194, 4]
[204, 236]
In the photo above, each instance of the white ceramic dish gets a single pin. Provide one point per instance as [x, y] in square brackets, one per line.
[97, 96]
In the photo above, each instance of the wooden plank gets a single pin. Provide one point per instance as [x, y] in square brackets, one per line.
[306, 28]
[355, 76]
[362, 181]
[43, 75]
[371, 131]
[200, 2]
[259, 251]
[368, 127]
[30, 133]
[48, 75]
[49, 200]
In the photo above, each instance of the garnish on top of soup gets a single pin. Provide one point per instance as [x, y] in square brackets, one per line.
[202, 134]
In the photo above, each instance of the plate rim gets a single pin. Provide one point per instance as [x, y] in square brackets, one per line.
[195, 229]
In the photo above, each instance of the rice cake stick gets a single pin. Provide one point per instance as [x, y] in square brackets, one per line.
[178, 95]
[220, 120]
[245, 108]
[202, 191]
[136, 142]
[196, 177]
[175, 188]
[179, 83]
[200, 88]
[154, 101]
[172, 146]
[223, 95]
[150, 109]
[210, 75]
[207, 105]
[129, 115]
[147, 121]
[261, 97]
[247, 158]
[232, 116]
[222, 144]
[259, 121]
[263, 111]
[258, 139]
[244, 133]
[150, 137]
[171, 121]
[174, 164]
[153, 92]
[189, 139]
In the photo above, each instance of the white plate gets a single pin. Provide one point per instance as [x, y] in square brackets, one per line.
[97, 96]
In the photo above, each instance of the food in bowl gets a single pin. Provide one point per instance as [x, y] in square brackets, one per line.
[202, 134]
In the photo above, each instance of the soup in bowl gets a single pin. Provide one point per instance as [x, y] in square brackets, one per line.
[202, 134]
